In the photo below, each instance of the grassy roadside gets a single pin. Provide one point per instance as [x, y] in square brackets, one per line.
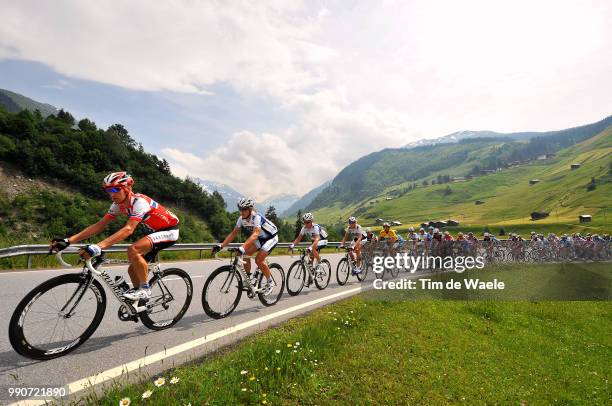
[405, 352]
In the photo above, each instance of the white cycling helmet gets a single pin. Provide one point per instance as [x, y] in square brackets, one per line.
[368, 230]
[411, 229]
[246, 203]
[352, 220]
[386, 225]
[307, 217]
[436, 231]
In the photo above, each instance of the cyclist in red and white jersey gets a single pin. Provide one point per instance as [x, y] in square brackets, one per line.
[161, 224]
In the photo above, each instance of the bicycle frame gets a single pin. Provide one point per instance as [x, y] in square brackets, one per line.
[246, 281]
[90, 272]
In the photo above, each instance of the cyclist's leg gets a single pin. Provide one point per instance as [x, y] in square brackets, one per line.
[321, 244]
[145, 250]
[264, 251]
[249, 250]
[138, 269]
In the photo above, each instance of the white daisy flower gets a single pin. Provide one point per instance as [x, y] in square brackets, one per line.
[147, 394]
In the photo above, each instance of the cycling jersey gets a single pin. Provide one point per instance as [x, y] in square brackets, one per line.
[256, 220]
[356, 232]
[152, 215]
[313, 231]
[391, 234]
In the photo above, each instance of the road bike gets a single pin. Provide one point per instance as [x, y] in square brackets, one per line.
[223, 288]
[302, 269]
[60, 314]
[346, 266]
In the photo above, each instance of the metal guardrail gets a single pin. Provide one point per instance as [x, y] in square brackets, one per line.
[43, 249]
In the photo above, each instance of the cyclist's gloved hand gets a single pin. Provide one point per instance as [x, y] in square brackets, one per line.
[241, 250]
[216, 248]
[59, 244]
[291, 246]
[93, 250]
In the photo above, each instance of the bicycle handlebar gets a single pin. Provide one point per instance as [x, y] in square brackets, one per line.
[65, 264]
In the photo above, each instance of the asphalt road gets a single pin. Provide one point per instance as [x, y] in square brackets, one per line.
[118, 345]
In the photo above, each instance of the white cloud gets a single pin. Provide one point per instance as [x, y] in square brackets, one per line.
[356, 78]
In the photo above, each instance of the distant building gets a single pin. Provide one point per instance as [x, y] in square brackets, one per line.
[452, 223]
[585, 218]
[458, 179]
[396, 223]
[534, 181]
[575, 166]
[538, 215]
[477, 202]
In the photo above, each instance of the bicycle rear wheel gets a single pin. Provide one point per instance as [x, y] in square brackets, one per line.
[41, 329]
[324, 275]
[296, 278]
[364, 270]
[171, 293]
[221, 293]
[278, 276]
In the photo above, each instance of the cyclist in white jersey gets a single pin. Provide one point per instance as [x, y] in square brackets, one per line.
[317, 235]
[356, 233]
[263, 237]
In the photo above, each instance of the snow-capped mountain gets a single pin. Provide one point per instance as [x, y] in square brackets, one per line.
[231, 196]
[280, 202]
[454, 137]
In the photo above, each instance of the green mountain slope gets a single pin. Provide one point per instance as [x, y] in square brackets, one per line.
[15, 102]
[507, 195]
[372, 174]
[78, 156]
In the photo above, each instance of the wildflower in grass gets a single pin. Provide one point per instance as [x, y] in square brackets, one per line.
[278, 368]
[244, 389]
[125, 402]
[243, 372]
[159, 381]
[278, 351]
[294, 350]
[264, 402]
[147, 394]
[297, 343]
[174, 380]
[252, 378]
[289, 345]
[266, 368]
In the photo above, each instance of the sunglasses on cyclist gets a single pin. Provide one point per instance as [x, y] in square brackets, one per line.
[112, 189]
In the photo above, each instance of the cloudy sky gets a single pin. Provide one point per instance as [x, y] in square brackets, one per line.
[276, 97]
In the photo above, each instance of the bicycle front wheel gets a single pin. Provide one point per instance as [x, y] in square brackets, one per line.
[222, 292]
[323, 274]
[57, 317]
[278, 276]
[342, 271]
[171, 293]
[296, 278]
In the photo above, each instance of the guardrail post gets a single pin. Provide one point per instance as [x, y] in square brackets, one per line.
[29, 261]
[200, 254]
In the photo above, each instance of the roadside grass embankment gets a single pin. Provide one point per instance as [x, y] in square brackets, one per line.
[366, 350]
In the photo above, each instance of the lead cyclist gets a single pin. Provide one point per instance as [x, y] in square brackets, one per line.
[161, 223]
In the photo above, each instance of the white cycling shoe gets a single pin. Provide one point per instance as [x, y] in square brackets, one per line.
[138, 294]
[268, 287]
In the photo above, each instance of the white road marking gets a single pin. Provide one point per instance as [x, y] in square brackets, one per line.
[104, 376]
